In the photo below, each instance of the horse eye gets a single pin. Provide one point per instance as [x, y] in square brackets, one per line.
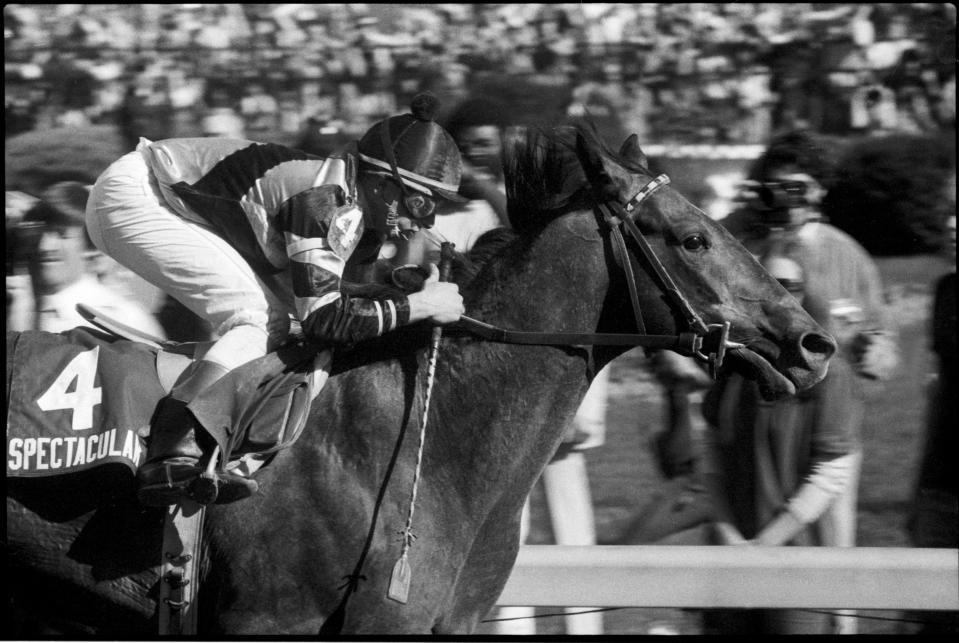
[694, 243]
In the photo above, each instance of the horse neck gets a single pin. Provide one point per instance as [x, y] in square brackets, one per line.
[559, 286]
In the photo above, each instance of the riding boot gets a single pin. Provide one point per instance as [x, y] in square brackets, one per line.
[173, 454]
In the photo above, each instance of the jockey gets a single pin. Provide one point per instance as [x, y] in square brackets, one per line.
[248, 234]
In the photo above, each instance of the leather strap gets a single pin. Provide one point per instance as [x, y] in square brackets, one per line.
[115, 327]
[666, 283]
[182, 538]
[686, 343]
[387, 144]
[622, 257]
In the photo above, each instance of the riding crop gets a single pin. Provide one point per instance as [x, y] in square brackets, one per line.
[399, 588]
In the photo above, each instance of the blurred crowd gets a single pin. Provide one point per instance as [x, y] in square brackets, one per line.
[672, 73]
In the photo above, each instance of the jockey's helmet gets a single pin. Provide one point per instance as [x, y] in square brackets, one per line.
[415, 150]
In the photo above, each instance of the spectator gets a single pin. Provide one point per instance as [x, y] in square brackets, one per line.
[946, 109]
[776, 471]
[917, 93]
[781, 219]
[58, 254]
[782, 216]
[221, 118]
[146, 110]
[873, 107]
[551, 46]
[321, 137]
[18, 292]
[679, 513]
[935, 514]
[754, 102]
[600, 104]
[259, 112]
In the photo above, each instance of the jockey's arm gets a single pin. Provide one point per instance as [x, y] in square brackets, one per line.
[332, 317]
[318, 244]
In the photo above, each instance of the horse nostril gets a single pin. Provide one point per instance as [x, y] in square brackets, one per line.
[820, 345]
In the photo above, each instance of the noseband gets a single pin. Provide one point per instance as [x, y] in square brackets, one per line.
[705, 342]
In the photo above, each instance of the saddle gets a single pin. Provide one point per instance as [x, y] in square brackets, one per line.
[254, 411]
[82, 399]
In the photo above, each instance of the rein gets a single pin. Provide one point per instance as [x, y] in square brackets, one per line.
[705, 342]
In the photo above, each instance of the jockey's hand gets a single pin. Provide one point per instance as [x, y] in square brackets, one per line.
[439, 301]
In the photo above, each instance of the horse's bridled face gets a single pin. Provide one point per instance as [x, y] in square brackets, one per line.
[777, 342]
[785, 348]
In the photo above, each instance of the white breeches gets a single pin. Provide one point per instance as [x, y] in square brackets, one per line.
[128, 220]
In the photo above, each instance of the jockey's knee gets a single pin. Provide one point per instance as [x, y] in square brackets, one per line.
[238, 345]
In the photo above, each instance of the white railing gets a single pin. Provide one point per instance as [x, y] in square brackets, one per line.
[735, 577]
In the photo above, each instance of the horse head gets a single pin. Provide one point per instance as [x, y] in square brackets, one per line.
[703, 276]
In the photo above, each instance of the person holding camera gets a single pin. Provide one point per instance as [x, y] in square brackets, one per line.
[781, 215]
[779, 472]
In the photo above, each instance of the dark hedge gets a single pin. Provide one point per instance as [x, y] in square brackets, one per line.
[889, 192]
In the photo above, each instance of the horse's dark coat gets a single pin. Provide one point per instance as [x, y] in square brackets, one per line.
[277, 562]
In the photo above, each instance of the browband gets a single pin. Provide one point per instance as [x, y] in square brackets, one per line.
[645, 191]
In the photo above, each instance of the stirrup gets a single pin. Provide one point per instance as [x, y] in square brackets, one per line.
[222, 487]
[219, 486]
[167, 482]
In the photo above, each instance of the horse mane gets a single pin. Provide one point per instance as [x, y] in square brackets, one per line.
[488, 246]
[545, 176]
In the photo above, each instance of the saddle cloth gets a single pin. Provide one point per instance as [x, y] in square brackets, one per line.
[84, 398]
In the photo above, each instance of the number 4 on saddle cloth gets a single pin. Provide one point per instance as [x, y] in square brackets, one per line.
[84, 398]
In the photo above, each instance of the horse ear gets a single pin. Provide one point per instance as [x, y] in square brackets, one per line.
[632, 152]
[595, 169]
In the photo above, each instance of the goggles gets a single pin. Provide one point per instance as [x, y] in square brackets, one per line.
[419, 206]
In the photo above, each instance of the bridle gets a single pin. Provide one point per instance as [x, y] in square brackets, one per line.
[705, 342]
[710, 341]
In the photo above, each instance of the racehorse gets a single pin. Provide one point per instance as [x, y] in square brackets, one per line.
[313, 551]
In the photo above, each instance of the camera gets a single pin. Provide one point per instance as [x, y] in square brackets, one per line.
[774, 201]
